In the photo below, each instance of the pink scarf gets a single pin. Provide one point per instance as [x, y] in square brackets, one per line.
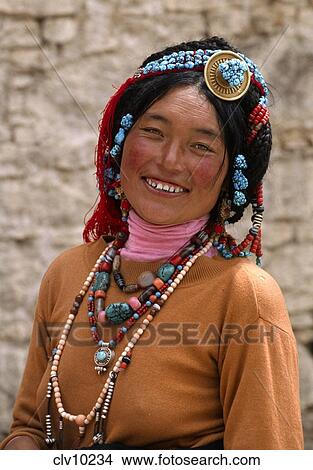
[151, 242]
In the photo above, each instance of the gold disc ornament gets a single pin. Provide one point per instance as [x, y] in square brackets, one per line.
[221, 87]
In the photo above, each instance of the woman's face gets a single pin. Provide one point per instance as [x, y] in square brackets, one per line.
[177, 143]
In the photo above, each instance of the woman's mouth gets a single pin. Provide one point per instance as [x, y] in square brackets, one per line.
[163, 188]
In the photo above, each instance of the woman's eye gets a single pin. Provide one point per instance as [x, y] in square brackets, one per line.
[203, 148]
[152, 130]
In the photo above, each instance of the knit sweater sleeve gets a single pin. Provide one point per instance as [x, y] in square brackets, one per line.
[25, 419]
[258, 366]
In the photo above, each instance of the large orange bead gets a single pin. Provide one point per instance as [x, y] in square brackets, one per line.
[79, 420]
[100, 294]
[158, 283]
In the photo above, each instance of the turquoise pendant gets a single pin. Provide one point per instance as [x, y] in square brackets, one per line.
[102, 281]
[118, 312]
[102, 358]
[166, 271]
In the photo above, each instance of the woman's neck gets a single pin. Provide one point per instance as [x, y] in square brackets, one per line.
[151, 242]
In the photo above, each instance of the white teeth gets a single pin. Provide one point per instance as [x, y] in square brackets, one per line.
[163, 187]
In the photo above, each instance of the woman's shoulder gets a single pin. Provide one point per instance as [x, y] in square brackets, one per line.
[256, 289]
[77, 258]
[272, 308]
[243, 273]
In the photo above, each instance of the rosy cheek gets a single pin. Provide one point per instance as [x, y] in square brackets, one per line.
[136, 154]
[204, 172]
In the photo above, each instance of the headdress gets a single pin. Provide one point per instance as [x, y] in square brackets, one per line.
[228, 76]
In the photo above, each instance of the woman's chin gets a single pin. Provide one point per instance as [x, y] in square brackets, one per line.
[158, 217]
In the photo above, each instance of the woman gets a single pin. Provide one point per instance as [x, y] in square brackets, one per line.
[183, 147]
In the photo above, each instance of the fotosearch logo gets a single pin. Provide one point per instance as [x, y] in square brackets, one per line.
[163, 334]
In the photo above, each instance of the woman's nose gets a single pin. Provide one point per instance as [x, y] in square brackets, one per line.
[171, 156]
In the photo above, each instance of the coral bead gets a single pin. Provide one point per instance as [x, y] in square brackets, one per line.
[134, 303]
[176, 260]
[158, 283]
[106, 266]
[102, 317]
[100, 294]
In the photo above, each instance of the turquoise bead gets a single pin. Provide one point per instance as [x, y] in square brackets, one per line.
[118, 312]
[120, 136]
[166, 271]
[102, 281]
[101, 356]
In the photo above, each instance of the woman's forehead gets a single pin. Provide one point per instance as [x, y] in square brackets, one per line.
[183, 104]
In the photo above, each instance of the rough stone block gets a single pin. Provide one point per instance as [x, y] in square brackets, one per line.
[60, 30]
[304, 23]
[9, 355]
[302, 324]
[294, 138]
[196, 5]
[284, 200]
[24, 135]
[16, 103]
[98, 30]
[11, 166]
[302, 321]
[273, 19]
[277, 234]
[27, 59]
[139, 9]
[293, 275]
[236, 24]
[39, 8]
[15, 33]
[22, 81]
[139, 43]
[5, 133]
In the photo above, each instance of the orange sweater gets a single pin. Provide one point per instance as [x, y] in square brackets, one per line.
[218, 361]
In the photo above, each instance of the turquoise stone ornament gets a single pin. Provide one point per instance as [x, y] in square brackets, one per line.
[102, 358]
[102, 281]
[166, 271]
[118, 312]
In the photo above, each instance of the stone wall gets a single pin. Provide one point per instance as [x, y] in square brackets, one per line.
[60, 61]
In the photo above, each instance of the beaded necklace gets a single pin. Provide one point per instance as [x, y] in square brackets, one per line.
[158, 288]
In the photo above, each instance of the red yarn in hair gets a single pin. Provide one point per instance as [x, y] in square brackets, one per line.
[106, 218]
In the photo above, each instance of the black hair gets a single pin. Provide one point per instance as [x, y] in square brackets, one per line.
[232, 115]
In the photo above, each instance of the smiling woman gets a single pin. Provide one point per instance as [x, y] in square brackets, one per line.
[171, 337]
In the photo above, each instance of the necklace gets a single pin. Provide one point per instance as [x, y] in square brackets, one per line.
[167, 278]
[155, 285]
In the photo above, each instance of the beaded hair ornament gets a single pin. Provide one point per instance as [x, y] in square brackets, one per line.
[228, 76]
